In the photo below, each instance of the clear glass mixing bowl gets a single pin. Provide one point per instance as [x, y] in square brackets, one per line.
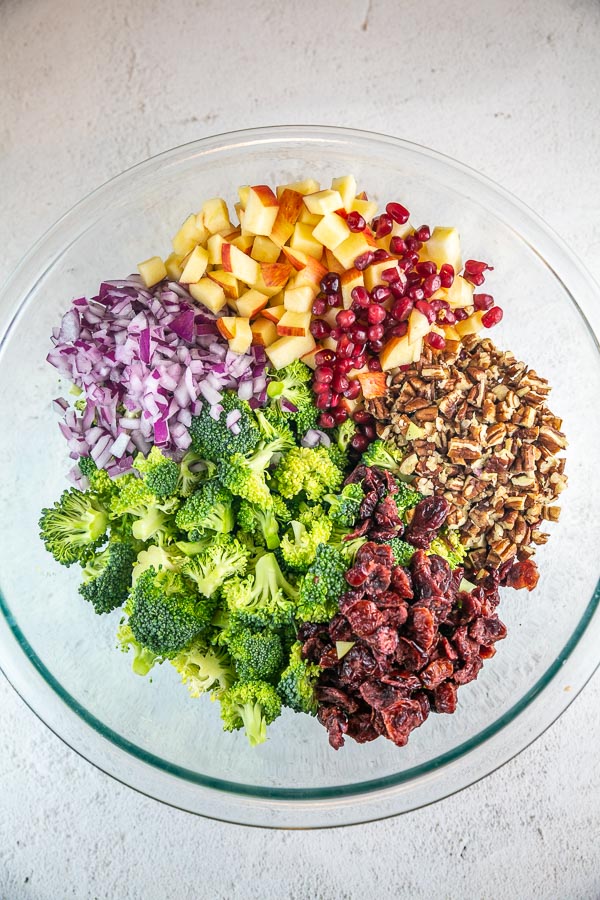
[149, 734]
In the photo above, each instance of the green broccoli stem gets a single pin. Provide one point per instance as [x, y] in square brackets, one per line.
[255, 723]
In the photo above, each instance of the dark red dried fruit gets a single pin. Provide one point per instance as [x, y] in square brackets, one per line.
[364, 617]
[522, 575]
[444, 698]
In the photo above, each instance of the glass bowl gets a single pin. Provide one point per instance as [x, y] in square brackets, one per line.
[148, 733]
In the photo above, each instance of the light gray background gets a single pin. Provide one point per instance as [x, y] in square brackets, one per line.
[88, 89]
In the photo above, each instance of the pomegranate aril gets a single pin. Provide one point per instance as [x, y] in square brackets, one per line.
[446, 317]
[359, 334]
[324, 357]
[345, 319]
[330, 283]
[398, 330]
[432, 284]
[365, 259]
[326, 420]
[319, 329]
[397, 245]
[345, 347]
[336, 333]
[380, 294]
[426, 309]
[360, 296]
[353, 389]
[359, 361]
[447, 275]
[405, 264]
[355, 222]
[376, 346]
[460, 314]
[423, 233]
[381, 255]
[369, 432]
[477, 280]
[319, 307]
[413, 243]
[320, 387]
[344, 365]
[374, 365]
[376, 332]
[426, 268]
[375, 314]
[492, 317]
[416, 293]
[402, 309]
[339, 383]
[362, 417]
[398, 289]
[483, 301]
[359, 442]
[435, 340]
[436, 305]
[413, 278]
[334, 300]
[323, 400]
[340, 415]
[382, 225]
[334, 400]
[476, 267]
[323, 374]
[398, 213]
[390, 275]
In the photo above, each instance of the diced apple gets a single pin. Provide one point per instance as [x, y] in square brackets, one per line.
[353, 246]
[290, 207]
[251, 303]
[195, 266]
[308, 218]
[276, 299]
[322, 202]
[244, 242]
[261, 210]
[274, 313]
[243, 192]
[331, 231]
[173, 266]
[296, 258]
[215, 216]
[373, 384]
[309, 358]
[303, 240]
[332, 263]
[349, 279]
[451, 334]
[458, 295]
[243, 267]
[287, 349]
[243, 336]
[471, 325]
[346, 187]
[329, 343]
[265, 250]
[228, 282]
[191, 233]
[209, 294]
[264, 332]
[214, 245]
[399, 352]
[418, 326]
[367, 208]
[443, 247]
[311, 274]
[152, 271]
[294, 323]
[374, 272]
[299, 299]
[308, 186]
[226, 326]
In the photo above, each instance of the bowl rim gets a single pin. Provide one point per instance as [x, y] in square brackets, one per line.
[575, 271]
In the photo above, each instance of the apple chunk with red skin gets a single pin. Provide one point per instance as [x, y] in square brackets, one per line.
[261, 210]
[239, 264]
[290, 207]
[295, 324]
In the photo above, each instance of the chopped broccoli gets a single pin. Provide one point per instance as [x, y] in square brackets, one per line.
[158, 557]
[299, 544]
[289, 389]
[151, 515]
[99, 480]
[214, 440]
[143, 658]
[107, 577]
[257, 655]
[345, 433]
[403, 552]
[166, 612]
[309, 470]
[204, 669]
[274, 426]
[246, 476]
[382, 455]
[192, 470]
[223, 559]
[347, 547]
[447, 545]
[161, 475]
[406, 498]
[322, 586]
[74, 527]
[265, 597]
[209, 507]
[252, 705]
[261, 522]
[344, 507]
[297, 683]
[306, 419]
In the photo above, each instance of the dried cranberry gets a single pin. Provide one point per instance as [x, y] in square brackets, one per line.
[423, 626]
[444, 698]
[364, 617]
[522, 575]
[436, 672]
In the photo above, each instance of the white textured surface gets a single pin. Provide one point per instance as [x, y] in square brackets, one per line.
[87, 90]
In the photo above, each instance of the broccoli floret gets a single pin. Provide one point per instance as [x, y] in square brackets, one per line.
[406, 498]
[265, 597]
[297, 683]
[347, 547]
[261, 522]
[447, 545]
[257, 655]
[158, 557]
[150, 515]
[338, 457]
[252, 705]
[344, 507]
[306, 419]
[403, 552]
[274, 426]
[210, 507]
[99, 480]
[223, 559]
[214, 440]
[74, 527]
[192, 470]
[166, 612]
[322, 586]
[246, 476]
[143, 658]
[382, 455]
[299, 544]
[345, 433]
[204, 669]
[161, 475]
[289, 389]
[107, 577]
[308, 470]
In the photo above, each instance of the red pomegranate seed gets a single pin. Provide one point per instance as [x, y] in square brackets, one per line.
[398, 330]
[381, 255]
[477, 280]
[319, 329]
[390, 275]
[362, 417]
[423, 233]
[483, 301]
[340, 415]
[344, 365]
[398, 289]
[460, 314]
[435, 340]
[320, 387]
[436, 305]
[319, 307]
[446, 317]
[359, 361]
[380, 294]
[359, 334]
[334, 400]
[426, 268]
[376, 346]
[345, 347]
[399, 213]
[326, 420]
[359, 442]
[374, 365]
[376, 332]
[365, 259]
[375, 314]
[330, 283]
[413, 278]
[416, 293]
[360, 296]
[402, 309]
[369, 432]
[447, 275]
[323, 399]
[413, 243]
[383, 225]
[405, 264]
[353, 389]
[397, 245]
[339, 383]
[355, 222]
[324, 357]
[426, 309]
[334, 300]
[432, 284]
[475, 267]
[492, 317]
[345, 319]
[323, 374]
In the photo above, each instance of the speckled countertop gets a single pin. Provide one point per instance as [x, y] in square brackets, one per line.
[87, 90]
